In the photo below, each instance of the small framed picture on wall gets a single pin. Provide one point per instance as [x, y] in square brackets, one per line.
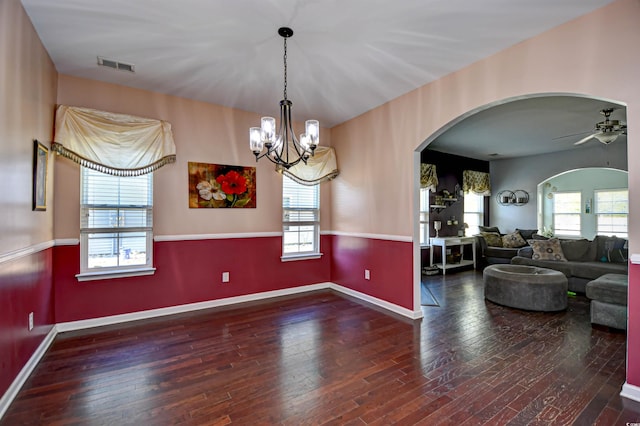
[40, 160]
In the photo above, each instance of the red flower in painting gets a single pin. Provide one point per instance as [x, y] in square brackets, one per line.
[232, 183]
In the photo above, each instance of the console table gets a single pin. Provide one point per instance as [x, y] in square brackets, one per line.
[445, 242]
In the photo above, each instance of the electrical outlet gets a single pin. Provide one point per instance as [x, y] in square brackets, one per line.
[225, 277]
[30, 321]
[367, 274]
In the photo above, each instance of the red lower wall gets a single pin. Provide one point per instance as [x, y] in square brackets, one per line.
[25, 286]
[633, 331]
[390, 263]
[187, 272]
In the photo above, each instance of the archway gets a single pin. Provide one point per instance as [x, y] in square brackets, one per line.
[496, 212]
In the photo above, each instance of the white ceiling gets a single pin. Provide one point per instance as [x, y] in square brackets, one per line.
[529, 126]
[345, 58]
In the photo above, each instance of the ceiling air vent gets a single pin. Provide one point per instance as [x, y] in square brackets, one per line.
[115, 64]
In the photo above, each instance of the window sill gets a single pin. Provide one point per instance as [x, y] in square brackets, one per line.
[107, 275]
[306, 256]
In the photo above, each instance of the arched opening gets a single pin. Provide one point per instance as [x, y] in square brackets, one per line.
[600, 203]
[544, 146]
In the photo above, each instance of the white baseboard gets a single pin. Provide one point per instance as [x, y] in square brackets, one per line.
[15, 387]
[378, 302]
[152, 313]
[630, 391]
[26, 371]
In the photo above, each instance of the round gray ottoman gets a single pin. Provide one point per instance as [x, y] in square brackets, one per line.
[525, 287]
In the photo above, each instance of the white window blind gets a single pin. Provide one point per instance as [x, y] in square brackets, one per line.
[300, 218]
[424, 216]
[566, 213]
[612, 210]
[116, 221]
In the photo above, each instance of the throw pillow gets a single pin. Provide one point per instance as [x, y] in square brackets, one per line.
[513, 240]
[547, 250]
[493, 239]
[489, 229]
[612, 249]
[537, 236]
[527, 234]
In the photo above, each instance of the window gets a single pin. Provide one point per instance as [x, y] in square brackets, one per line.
[566, 213]
[424, 216]
[473, 212]
[116, 219]
[612, 209]
[300, 219]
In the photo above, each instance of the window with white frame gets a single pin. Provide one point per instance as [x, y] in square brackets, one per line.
[566, 213]
[300, 218]
[473, 212]
[612, 209]
[424, 216]
[116, 222]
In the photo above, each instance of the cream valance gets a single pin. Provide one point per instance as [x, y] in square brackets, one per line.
[319, 168]
[476, 182]
[117, 144]
[428, 177]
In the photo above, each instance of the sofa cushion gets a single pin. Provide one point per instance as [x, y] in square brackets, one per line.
[526, 252]
[500, 252]
[527, 234]
[576, 249]
[493, 239]
[513, 240]
[595, 269]
[547, 250]
[611, 249]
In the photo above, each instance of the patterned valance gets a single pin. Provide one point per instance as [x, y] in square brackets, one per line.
[319, 168]
[476, 182]
[117, 144]
[428, 177]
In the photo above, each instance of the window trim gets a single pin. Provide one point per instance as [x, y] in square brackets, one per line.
[578, 214]
[598, 214]
[306, 255]
[111, 272]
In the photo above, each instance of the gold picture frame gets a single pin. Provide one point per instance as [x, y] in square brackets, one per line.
[40, 163]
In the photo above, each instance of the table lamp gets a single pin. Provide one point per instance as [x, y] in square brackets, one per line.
[437, 225]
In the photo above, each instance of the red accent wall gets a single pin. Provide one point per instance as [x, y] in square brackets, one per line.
[25, 286]
[390, 263]
[633, 332]
[187, 272]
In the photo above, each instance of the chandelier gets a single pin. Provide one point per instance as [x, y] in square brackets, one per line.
[283, 148]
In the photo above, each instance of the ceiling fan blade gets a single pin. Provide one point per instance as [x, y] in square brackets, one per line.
[573, 134]
[583, 140]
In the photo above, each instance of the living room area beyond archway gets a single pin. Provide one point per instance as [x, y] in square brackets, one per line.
[520, 142]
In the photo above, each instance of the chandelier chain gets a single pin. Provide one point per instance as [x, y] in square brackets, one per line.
[285, 68]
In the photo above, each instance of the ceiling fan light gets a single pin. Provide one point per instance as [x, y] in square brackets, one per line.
[607, 137]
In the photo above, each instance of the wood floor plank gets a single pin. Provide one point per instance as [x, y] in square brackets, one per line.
[324, 358]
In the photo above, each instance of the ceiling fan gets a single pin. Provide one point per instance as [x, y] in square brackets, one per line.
[606, 131]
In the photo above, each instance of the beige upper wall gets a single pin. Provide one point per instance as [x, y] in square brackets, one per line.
[202, 132]
[377, 147]
[28, 96]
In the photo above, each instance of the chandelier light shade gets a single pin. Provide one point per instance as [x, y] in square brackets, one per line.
[282, 147]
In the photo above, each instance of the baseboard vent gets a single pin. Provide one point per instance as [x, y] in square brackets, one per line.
[116, 65]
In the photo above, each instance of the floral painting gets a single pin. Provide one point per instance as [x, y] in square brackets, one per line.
[220, 186]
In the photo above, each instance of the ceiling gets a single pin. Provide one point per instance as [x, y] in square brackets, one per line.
[529, 126]
[345, 58]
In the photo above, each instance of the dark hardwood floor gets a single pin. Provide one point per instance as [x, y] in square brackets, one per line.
[324, 358]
